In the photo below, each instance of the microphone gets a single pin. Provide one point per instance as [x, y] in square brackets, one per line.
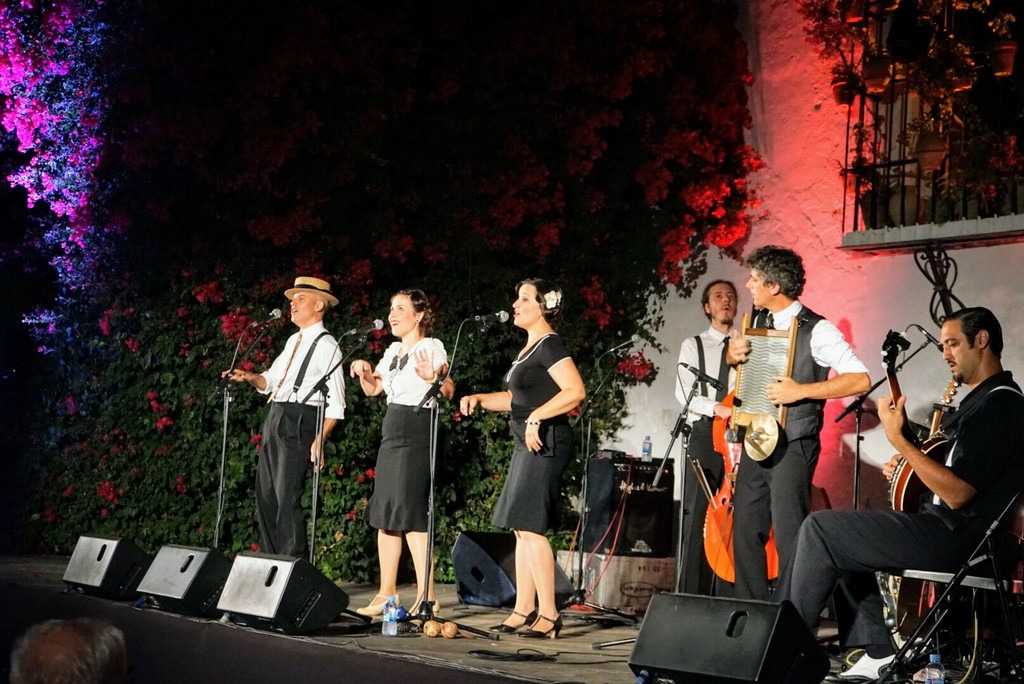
[928, 335]
[366, 329]
[702, 376]
[487, 319]
[628, 343]
[271, 317]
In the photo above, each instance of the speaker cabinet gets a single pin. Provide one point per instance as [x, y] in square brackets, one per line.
[107, 567]
[628, 515]
[280, 593]
[186, 580]
[485, 570]
[686, 638]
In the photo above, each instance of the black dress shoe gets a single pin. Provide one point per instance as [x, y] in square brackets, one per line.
[534, 633]
[508, 629]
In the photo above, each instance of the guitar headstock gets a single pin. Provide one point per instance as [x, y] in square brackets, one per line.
[950, 393]
[894, 343]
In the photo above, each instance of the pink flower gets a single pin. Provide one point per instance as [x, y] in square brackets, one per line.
[70, 405]
[69, 491]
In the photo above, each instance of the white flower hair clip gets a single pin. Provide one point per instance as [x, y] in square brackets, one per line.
[551, 299]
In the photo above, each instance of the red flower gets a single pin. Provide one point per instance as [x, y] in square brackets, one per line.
[48, 514]
[638, 368]
[69, 491]
[107, 491]
[163, 422]
[254, 547]
[105, 322]
[103, 512]
[180, 486]
[371, 473]
[133, 345]
[70, 405]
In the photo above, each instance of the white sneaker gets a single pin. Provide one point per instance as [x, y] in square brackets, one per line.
[866, 668]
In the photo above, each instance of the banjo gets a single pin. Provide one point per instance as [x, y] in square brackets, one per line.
[905, 488]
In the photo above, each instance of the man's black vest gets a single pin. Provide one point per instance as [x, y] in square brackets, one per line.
[805, 418]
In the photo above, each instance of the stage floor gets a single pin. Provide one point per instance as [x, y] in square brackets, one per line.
[164, 646]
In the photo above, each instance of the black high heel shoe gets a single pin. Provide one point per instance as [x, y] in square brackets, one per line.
[508, 629]
[534, 633]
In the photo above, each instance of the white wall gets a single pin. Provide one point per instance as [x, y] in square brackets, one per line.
[799, 132]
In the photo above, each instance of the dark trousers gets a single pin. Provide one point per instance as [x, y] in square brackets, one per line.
[773, 494]
[845, 548]
[698, 577]
[288, 433]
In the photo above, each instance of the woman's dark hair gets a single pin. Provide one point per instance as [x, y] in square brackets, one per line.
[779, 266]
[549, 296]
[973, 320]
[420, 304]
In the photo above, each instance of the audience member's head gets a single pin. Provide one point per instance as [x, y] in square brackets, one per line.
[78, 651]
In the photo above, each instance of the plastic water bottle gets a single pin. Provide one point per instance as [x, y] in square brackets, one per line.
[645, 450]
[935, 673]
[389, 624]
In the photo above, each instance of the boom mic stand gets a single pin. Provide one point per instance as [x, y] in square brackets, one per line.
[224, 386]
[321, 388]
[579, 595]
[857, 407]
[681, 428]
[432, 398]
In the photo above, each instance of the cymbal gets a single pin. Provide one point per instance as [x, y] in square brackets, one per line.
[762, 436]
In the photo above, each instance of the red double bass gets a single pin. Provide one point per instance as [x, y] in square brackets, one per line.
[718, 525]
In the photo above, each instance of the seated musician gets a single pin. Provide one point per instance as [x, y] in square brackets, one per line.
[983, 472]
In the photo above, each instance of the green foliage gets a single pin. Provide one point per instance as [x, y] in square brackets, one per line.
[456, 150]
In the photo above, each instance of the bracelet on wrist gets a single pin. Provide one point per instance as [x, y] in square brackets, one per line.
[532, 422]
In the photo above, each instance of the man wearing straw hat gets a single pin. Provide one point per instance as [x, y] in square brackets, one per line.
[291, 436]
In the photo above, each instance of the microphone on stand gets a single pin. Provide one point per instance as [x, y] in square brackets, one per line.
[366, 329]
[928, 335]
[702, 376]
[628, 343]
[486, 319]
[271, 317]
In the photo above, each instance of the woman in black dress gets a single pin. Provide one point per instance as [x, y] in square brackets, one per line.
[398, 506]
[543, 386]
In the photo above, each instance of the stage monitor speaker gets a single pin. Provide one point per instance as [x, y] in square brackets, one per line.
[617, 483]
[107, 567]
[186, 580]
[280, 593]
[686, 638]
[485, 570]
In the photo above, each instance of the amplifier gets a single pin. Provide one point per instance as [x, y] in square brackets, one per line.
[628, 515]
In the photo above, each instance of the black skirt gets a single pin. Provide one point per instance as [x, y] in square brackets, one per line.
[402, 480]
[533, 487]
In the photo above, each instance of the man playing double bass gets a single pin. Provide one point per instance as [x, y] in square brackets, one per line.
[705, 352]
[776, 492]
[982, 473]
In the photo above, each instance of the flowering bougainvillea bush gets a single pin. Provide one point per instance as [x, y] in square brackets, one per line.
[457, 149]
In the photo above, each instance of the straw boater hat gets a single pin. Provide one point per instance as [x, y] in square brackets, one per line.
[320, 287]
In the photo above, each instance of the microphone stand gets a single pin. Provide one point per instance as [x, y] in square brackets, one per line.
[857, 407]
[681, 428]
[321, 410]
[433, 396]
[224, 386]
[579, 595]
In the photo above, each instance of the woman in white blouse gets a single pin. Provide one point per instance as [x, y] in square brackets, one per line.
[398, 507]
